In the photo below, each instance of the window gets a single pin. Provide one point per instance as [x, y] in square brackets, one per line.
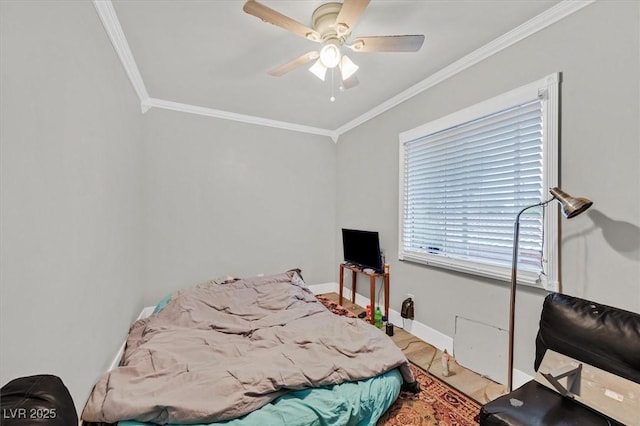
[464, 177]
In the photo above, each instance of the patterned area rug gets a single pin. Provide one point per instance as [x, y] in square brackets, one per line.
[436, 404]
[335, 307]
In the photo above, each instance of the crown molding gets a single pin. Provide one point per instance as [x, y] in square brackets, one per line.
[110, 21]
[532, 26]
[111, 24]
[226, 115]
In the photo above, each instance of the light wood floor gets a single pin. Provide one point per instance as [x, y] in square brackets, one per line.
[429, 359]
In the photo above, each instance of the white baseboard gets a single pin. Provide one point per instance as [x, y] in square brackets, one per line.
[418, 329]
[146, 311]
[519, 378]
[428, 334]
[324, 288]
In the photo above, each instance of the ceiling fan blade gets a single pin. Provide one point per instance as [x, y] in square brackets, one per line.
[397, 43]
[350, 82]
[349, 14]
[276, 18]
[298, 62]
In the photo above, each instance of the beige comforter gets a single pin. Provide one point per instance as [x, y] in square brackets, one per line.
[217, 352]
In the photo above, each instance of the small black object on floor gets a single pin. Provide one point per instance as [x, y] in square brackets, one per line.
[411, 387]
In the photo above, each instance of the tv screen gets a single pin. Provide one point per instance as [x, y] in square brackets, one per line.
[362, 249]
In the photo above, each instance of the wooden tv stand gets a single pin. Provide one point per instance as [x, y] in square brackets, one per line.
[372, 287]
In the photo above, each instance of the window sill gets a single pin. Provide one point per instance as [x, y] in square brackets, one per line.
[500, 273]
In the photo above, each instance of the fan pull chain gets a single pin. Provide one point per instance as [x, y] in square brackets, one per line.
[332, 98]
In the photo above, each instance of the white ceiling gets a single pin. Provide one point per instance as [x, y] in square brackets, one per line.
[210, 54]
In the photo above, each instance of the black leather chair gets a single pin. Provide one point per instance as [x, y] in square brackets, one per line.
[37, 400]
[602, 336]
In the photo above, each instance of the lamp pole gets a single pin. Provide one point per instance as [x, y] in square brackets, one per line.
[571, 207]
[514, 281]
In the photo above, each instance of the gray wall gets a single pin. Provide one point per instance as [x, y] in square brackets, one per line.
[98, 200]
[71, 253]
[227, 198]
[598, 52]
[105, 210]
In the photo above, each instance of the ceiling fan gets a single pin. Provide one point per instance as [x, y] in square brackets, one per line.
[331, 25]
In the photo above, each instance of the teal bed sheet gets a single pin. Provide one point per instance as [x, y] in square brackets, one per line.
[351, 403]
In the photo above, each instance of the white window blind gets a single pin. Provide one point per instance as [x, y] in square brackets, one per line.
[464, 180]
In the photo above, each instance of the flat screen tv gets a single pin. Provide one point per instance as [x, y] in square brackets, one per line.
[362, 249]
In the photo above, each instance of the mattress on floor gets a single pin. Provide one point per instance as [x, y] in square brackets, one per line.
[350, 403]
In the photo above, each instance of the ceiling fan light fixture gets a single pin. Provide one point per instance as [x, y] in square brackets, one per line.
[332, 23]
[330, 55]
[347, 67]
[318, 69]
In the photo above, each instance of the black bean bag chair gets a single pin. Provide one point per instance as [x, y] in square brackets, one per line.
[37, 400]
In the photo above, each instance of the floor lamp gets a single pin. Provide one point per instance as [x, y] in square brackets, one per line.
[571, 207]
